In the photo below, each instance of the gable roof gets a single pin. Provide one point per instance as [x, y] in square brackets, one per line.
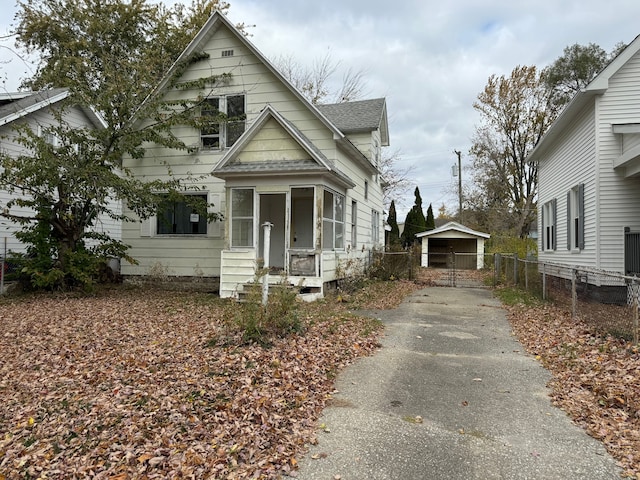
[211, 26]
[317, 162]
[597, 86]
[359, 116]
[19, 104]
[453, 226]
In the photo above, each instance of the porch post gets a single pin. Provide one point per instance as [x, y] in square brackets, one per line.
[265, 256]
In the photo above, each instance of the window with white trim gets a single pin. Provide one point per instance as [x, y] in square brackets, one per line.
[48, 136]
[375, 227]
[575, 218]
[549, 211]
[226, 121]
[333, 221]
[242, 218]
[182, 217]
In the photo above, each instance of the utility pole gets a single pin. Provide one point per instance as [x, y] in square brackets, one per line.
[458, 153]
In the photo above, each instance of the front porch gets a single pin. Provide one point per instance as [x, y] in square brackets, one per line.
[239, 271]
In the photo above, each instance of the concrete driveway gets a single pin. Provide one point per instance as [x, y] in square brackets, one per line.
[451, 395]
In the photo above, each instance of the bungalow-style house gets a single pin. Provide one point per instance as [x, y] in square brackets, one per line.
[589, 173]
[36, 109]
[309, 171]
[439, 244]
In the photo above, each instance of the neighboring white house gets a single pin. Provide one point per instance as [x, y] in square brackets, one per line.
[35, 109]
[310, 171]
[439, 244]
[589, 173]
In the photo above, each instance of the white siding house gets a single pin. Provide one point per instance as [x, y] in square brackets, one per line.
[310, 171]
[589, 173]
[36, 109]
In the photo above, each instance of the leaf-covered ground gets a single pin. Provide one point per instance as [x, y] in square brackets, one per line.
[596, 378]
[145, 384]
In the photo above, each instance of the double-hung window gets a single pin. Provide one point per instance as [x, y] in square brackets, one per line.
[333, 221]
[224, 119]
[575, 218]
[183, 217]
[549, 225]
[242, 225]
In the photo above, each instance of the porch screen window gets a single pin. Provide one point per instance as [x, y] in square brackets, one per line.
[242, 217]
[575, 218]
[333, 221]
[549, 225]
[218, 133]
[182, 217]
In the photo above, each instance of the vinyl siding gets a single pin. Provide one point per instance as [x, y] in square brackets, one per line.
[570, 162]
[619, 196]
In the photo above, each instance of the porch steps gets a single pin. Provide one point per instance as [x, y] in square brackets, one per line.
[254, 290]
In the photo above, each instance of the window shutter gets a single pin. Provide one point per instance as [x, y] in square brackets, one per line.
[543, 236]
[554, 222]
[214, 228]
[581, 216]
[146, 227]
[569, 220]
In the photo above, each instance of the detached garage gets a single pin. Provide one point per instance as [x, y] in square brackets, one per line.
[453, 238]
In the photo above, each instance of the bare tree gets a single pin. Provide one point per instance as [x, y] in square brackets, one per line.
[396, 180]
[314, 81]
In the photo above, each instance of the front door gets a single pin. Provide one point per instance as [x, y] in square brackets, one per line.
[273, 210]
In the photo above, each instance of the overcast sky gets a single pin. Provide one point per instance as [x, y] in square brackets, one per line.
[430, 59]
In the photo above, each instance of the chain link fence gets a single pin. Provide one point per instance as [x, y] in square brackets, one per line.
[608, 301]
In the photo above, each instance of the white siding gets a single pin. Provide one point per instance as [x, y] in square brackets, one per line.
[619, 196]
[75, 117]
[569, 163]
[260, 87]
[585, 153]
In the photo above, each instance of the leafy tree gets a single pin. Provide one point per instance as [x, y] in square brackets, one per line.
[515, 111]
[110, 54]
[575, 68]
[392, 221]
[414, 222]
[430, 222]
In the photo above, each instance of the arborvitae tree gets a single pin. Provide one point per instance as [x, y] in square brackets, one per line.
[431, 221]
[414, 223]
[394, 234]
[420, 220]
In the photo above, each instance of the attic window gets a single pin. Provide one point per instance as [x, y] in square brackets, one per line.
[227, 53]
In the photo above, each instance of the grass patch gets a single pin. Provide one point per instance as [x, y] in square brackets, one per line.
[515, 296]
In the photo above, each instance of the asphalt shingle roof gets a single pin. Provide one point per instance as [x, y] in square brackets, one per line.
[29, 101]
[358, 116]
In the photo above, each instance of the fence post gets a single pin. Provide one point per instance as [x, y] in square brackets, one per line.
[526, 275]
[544, 282]
[636, 292]
[515, 269]
[453, 269]
[574, 293]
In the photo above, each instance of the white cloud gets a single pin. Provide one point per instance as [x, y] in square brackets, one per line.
[429, 58]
